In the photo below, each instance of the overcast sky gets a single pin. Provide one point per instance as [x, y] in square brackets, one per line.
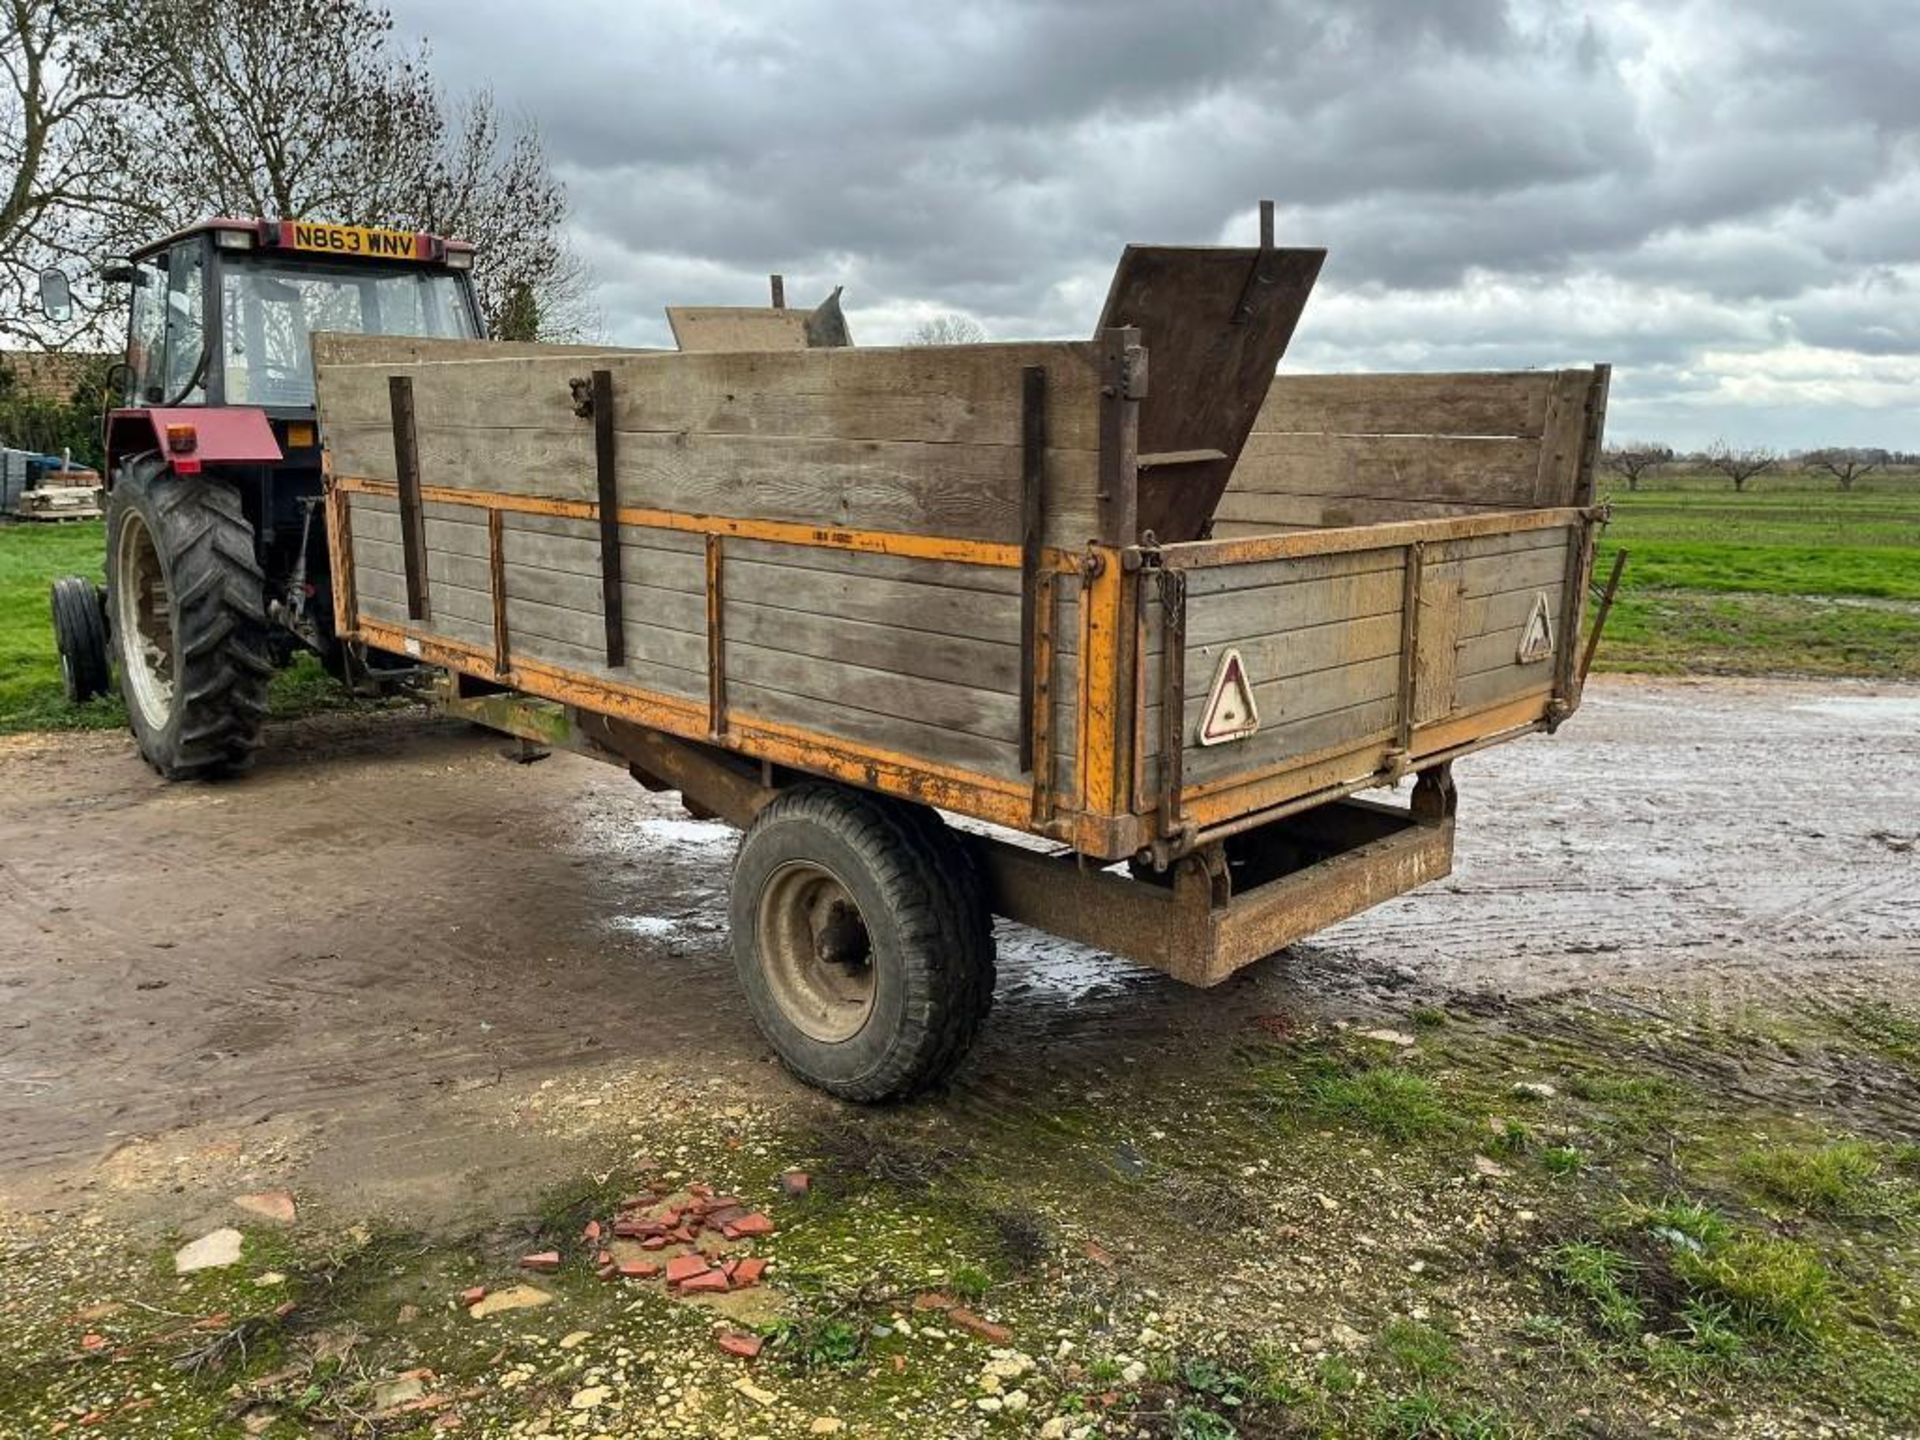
[1722, 197]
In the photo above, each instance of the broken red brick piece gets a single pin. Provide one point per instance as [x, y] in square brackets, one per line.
[544, 1261]
[637, 1269]
[748, 1272]
[473, 1296]
[1098, 1253]
[750, 1225]
[682, 1234]
[632, 1229]
[727, 1215]
[607, 1271]
[736, 1343]
[706, 1282]
[721, 1202]
[705, 1192]
[934, 1300]
[682, 1268]
[979, 1325]
[655, 1242]
[91, 1341]
[592, 1232]
[603, 1257]
[795, 1183]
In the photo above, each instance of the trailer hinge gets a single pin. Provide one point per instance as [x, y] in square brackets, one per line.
[1129, 375]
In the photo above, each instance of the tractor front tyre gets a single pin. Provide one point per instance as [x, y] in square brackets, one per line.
[80, 637]
[862, 939]
[187, 602]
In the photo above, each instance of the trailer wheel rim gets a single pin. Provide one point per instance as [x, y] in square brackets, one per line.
[144, 619]
[815, 952]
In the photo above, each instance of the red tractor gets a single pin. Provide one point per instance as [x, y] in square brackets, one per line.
[217, 568]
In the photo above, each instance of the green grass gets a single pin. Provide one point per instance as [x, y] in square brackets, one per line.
[1393, 1104]
[32, 557]
[1793, 577]
[1837, 1179]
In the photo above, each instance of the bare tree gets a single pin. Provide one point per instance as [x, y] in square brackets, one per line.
[1846, 465]
[1739, 464]
[949, 329]
[1635, 458]
[59, 191]
[311, 109]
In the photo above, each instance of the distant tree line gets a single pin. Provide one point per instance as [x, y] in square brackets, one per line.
[1637, 460]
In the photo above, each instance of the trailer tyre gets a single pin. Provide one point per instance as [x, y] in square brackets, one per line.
[80, 635]
[862, 940]
[187, 601]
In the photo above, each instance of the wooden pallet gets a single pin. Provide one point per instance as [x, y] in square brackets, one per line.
[60, 502]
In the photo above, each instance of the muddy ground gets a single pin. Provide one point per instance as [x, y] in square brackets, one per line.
[426, 988]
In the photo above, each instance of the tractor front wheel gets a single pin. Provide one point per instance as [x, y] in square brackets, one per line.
[187, 601]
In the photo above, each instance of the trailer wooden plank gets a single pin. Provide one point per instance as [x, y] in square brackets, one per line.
[956, 659]
[924, 607]
[1242, 514]
[1471, 403]
[885, 732]
[1478, 470]
[880, 693]
[1366, 722]
[1238, 615]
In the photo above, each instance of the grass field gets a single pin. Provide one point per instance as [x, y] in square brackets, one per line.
[31, 558]
[1793, 577]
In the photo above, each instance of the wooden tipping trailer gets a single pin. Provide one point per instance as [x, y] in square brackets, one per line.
[1126, 600]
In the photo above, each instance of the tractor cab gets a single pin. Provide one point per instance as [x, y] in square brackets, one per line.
[217, 566]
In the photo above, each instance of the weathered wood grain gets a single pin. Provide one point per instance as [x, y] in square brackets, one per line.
[1000, 759]
[1471, 403]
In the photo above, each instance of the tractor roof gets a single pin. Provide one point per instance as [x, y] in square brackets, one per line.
[320, 237]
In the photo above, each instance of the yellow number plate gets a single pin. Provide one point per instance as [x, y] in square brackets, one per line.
[351, 240]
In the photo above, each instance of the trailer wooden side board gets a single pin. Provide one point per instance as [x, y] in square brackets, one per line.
[956, 576]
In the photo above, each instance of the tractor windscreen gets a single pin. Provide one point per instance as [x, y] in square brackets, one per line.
[271, 306]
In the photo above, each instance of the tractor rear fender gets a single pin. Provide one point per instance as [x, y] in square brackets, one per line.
[211, 436]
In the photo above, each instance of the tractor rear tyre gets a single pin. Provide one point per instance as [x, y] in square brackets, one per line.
[80, 635]
[187, 602]
[862, 939]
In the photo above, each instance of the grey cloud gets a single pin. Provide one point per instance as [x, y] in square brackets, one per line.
[1498, 183]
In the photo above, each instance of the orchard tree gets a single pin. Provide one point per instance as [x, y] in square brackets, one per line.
[1635, 458]
[1739, 464]
[950, 329]
[1846, 465]
[310, 109]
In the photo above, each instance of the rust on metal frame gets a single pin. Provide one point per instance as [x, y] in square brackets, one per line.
[876, 542]
[497, 581]
[340, 548]
[985, 797]
[1566, 667]
[1600, 614]
[413, 524]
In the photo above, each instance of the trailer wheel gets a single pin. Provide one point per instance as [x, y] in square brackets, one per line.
[187, 601]
[862, 939]
[80, 635]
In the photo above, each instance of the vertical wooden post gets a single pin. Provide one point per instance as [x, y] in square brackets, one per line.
[779, 285]
[1266, 224]
[1033, 477]
[716, 640]
[413, 524]
[1042, 700]
[497, 579]
[1173, 696]
[609, 495]
[1409, 643]
[340, 549]
[1122, 381]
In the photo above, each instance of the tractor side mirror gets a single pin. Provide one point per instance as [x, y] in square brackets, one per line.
[56, 296]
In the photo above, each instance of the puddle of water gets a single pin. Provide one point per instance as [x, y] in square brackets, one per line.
[1867, 707]
[686, 832]
[649, 925]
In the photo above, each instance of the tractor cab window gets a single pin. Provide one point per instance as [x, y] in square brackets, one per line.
[166, 333]
[272, 309]
[185, 371]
